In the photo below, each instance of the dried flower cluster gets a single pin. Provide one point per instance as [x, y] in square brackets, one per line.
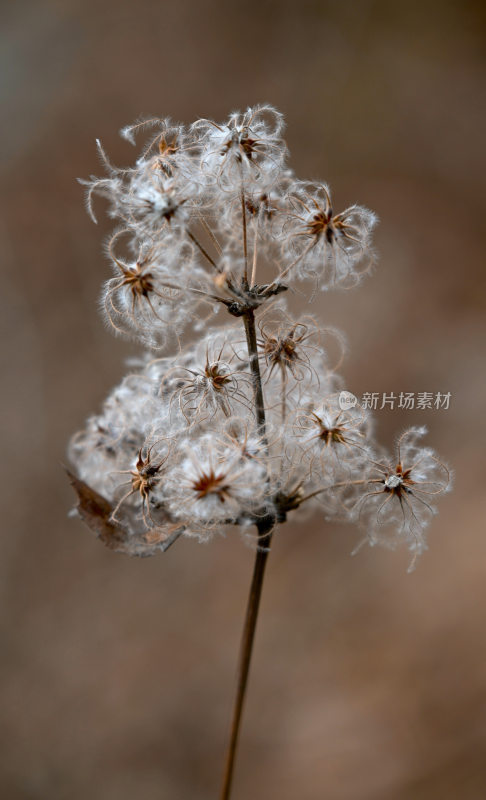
[245, 424]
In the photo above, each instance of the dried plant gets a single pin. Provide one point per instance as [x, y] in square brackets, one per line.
[244, 425]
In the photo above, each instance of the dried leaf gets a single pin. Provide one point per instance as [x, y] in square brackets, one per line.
[96, 511]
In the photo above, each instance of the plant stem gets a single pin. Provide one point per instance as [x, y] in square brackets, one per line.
[265, 528]
[251, 341]
[203, 251]
[245, 243]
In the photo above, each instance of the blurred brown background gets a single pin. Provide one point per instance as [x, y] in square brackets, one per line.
[117, 674]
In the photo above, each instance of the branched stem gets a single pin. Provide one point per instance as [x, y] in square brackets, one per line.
[265, 530]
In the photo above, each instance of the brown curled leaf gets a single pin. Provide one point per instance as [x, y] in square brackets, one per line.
[96, 511]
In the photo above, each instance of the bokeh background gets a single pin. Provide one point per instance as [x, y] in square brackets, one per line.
[116, 678]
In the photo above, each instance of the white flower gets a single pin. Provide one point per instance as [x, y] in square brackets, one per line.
[150, 199]
[214, 485]
[335, 443]
[333, 249]
[246, 152]
[169, 148]
[400, 496]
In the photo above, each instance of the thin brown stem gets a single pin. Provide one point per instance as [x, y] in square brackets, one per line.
[287, 269]
[337, 486]
[254, 263]
[265, 529]
[196, 291]
[245, 242]
[284, 398]
[251, 340]
[211, 235]
[203, 251]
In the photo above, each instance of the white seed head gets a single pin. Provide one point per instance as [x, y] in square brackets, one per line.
[244, 424]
